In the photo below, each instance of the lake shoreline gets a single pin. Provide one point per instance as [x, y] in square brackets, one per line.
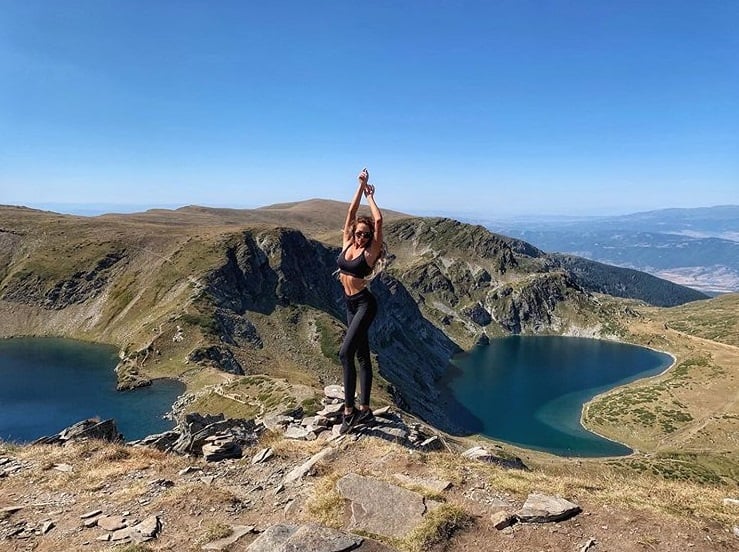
[508, 374]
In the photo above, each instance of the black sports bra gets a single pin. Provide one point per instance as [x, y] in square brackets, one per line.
[357, 267]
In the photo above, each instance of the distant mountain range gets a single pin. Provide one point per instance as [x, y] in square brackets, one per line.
[697, 247]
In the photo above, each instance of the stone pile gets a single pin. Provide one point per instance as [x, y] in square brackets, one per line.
[23, 529]
[120, 529]
[215, 437]
[9, 466]
[327, 421]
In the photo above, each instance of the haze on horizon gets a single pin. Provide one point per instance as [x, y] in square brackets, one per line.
[495, 109]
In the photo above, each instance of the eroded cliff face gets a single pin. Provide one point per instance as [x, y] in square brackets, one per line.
[263, 299]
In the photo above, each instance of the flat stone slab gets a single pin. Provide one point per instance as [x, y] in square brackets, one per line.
[238, 531]
[541, 508]
[381, 508]
[262, 456]
[304, 538]
[434, 485]
[297, 473]
[112, 523]
[293, 432]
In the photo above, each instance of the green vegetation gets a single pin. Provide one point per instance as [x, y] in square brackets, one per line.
[246, 397]
[330, 336]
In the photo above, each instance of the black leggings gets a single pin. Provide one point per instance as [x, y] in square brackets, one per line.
[361, 309]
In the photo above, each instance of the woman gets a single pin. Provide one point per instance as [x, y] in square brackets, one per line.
[362, 249]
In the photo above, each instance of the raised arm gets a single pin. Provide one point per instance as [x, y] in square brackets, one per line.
[353, 206]
[373, 253]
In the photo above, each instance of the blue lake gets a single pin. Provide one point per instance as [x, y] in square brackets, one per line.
[529, 390]
[48, 384]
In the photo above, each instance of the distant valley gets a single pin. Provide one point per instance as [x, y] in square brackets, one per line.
[698, 247]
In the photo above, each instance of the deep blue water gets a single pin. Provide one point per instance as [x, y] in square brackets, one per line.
[529, 390]
[48, 384]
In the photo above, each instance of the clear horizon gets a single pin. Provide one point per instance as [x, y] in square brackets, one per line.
[489, 109]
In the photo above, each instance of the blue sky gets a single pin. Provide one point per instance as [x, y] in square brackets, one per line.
[491, 108]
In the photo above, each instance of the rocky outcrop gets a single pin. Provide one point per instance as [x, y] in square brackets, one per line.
[217, 437]
[84, 430]
[31, 287]
[217, 356]
[530, 305]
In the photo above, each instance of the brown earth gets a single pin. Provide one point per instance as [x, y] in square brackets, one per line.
[652, 515]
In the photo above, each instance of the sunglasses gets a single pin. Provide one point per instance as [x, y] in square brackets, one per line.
[360, 234]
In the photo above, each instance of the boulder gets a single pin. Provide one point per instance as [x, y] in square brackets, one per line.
[541, 508]
[304, 538]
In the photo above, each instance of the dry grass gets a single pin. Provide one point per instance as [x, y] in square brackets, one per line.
[438, 526]
[216, 531]
[326, 505]
[600, 483]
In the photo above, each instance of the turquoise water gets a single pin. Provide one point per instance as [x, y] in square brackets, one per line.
[529, 390]
[48, 384]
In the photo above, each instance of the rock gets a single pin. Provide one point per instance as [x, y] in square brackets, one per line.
[208, 479]
[46, 527]
[381, 411]
[161, 441]
[189, 469]
[262, 456]
[434, 485]
[540, 508]
[294, 432]
[388, 432]
[484, 455]
[237, 531]
[273, 539]
[277, 422]
[381, 508]
[148, 529]
[90, 522]
[121, 535]
[217, 356]
[10, 509]
[112, 523]
[306, 538]
[588, 544]
[81, 431]
[220, 450]
[334, 392]
[297, 473]
[731, 502]
[432, 443]
[104, 538]
[91, 513]
[502, 519]
[736, 531]
[331, 411]
[66, 468]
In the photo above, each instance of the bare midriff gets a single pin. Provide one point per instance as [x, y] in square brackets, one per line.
[352, 284]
